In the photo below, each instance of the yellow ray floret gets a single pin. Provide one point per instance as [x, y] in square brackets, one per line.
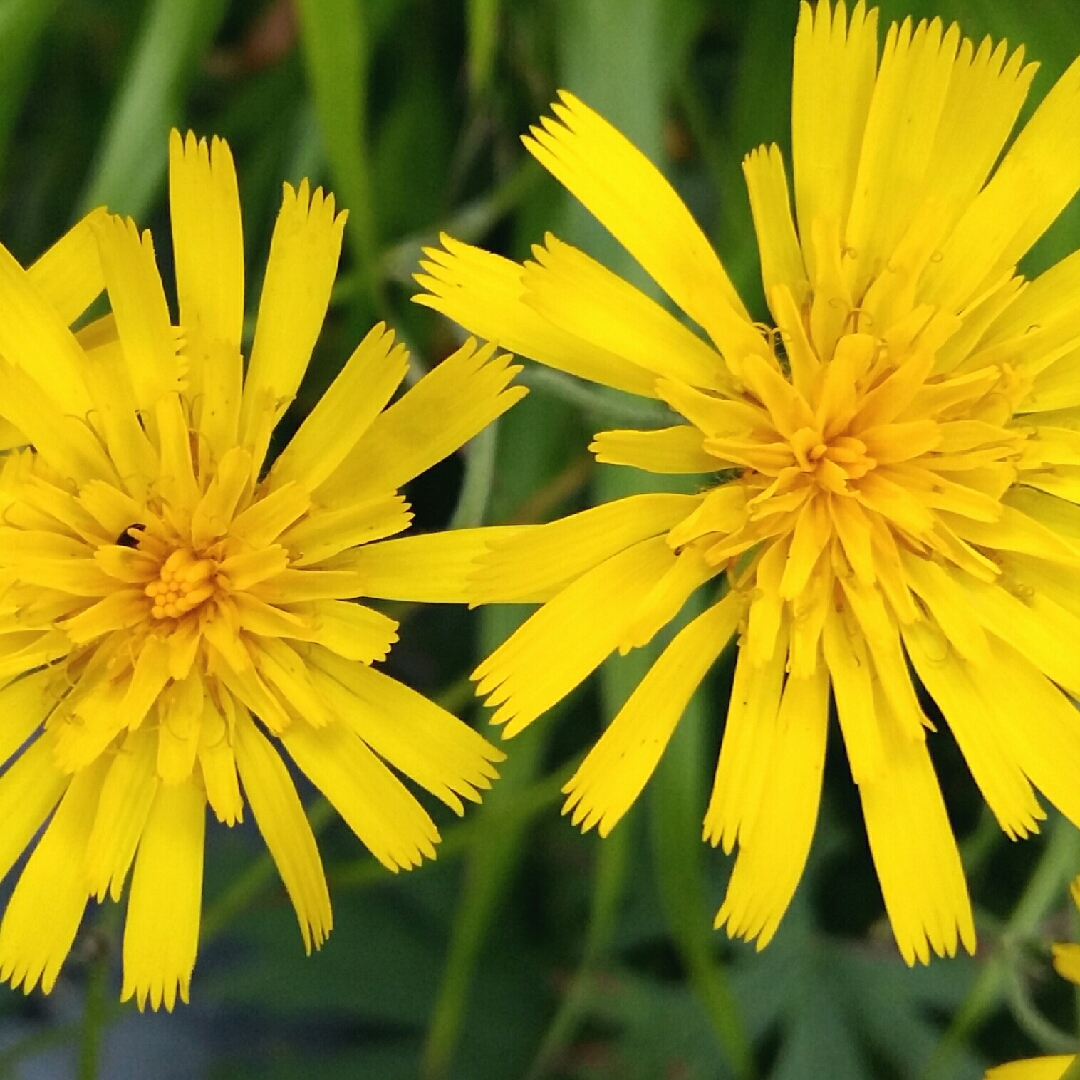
[174, 611]
[895, 501]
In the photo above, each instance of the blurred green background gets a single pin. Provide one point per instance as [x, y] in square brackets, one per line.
[526, 951]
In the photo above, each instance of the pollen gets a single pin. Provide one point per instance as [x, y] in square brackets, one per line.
[185, 582]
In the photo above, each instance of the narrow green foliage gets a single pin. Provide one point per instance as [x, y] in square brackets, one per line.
[129, 169]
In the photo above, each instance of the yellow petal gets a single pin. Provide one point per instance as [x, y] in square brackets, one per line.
[723, 510]
[813, 530]
[176, 481]
[1067, 961]
[300, 272]
[69, 274]
[344, 412]
[537, 560]
[778, 245]
[1035, 628]
[984, 97]
[324, 533]
[208, 246]
[62, 438]
[35, 337]
[111, 508]
[668, 450]
[373, 802]
[948, 603]
[1047, 743]
[353, 631]
[126, 797]
[983, 738]
[1037, 177]
[63, 507]
[584, 298]
[294, 586]
[446, 408]
[285, 828]
[267, 518]
[833, 79]
[1041, 1068]
[24, 703]
[541, 663]
[849, 668]
[484, 294]
[766, 606]
[214, 511]
[915, 854]
[905, 109]
[666, 598]
[289, 678]
[142, 314]
[745, 749]
[94, 723]
[19, 652]
[889, 667]
[425, 742]
[29, 790]
[47, 905]
[218, 765]
[180, 711]
[437, 568]
[774, 847]
[208, 240]
[801, 355]
[245, 571]
[148, 679]
[643, 212]
[617, 768]
[714, 415]
[120, 610]
[161, 933]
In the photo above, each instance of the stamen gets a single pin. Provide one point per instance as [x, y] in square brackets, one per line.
[182, 585]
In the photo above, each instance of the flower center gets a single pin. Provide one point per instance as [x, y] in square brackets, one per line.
[832, 462]
[184, 583]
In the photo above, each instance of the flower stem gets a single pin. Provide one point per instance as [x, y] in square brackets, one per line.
[95, 1013]
[1056, 866]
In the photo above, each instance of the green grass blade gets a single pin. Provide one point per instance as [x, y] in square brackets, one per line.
[21, 24]
[130, 165]
[482, 26]
[337, 48]
[530, 436]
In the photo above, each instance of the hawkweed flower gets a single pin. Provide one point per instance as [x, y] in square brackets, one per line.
[896, 460]
[172, 611]
[1052, 1067]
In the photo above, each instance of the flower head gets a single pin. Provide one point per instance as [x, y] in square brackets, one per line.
[896, 459]
[173, 611]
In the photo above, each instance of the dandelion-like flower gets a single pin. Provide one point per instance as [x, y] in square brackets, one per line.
[172, 611]
[898, 457]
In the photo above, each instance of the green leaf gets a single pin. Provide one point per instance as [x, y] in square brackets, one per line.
[337, 50]
[837, 1006]
[529, 435]
[21, 25]
[132, 157]
[482, 25]
[661, 1028]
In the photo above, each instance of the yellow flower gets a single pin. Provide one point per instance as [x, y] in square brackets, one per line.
[898, 459]
[161, 588]
[1040, 1068]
